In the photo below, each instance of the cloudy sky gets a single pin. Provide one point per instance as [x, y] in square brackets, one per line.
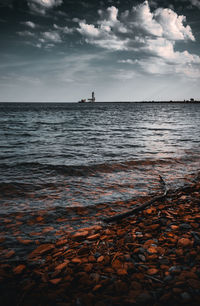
[124, 50]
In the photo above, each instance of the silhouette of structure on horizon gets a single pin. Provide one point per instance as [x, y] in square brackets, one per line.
[90, 100]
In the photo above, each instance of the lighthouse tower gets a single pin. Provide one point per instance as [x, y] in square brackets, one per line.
[93, 98]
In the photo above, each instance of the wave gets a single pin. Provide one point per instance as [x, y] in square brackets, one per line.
[108, 167]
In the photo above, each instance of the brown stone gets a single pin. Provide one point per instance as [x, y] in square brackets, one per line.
[55, 281]
[83, 251]
[93, 237]
[121, 271]
[152, 271]
[152, 250]
[19, 269]
[42, 249]
[24, 241]
[9, 254]
[116, 264]
[97, 287]
[76, 260]
[91, 258]
[174, 227]
[80, 235]
[88, 267]
[154, 226]
[62, 265]
[39, 219]
[61, 242]
[185, 242]
[148, 243]
[100, 259]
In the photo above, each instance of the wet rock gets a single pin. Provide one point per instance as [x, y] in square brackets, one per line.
[152, 250]
[142, 250]
[185, 226]
[175, 270]
[152, 271]
[62, 265]
[100, 258]
[76, 260]
[154, 226]
[168, 278]
[96, 255]
[142, 257]
[129, 262]
[55, 281]
[174, 227]
[93, 237]
[196, 238]
[84, 250]
[19, 269]
[139, 234]
[80, 235]
[42, 249]
[184, 242]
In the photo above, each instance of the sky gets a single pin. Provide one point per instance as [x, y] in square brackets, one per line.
[124, 50]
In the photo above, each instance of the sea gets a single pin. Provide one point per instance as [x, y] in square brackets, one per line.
[68, 165]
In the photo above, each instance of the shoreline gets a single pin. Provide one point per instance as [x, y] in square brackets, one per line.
[151, 258]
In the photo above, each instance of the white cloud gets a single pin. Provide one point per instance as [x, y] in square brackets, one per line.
[64, 30]
[103, 36]
[173, 25]
[155, 65]
[29, 24]
[137, 24]
[88, 30]
[140, 30]
[133, 28]
[164, 49]
[108, 32]
[128, 61]
[141, 18]
[51, 36]
[41, 6]
[124, 75]
[26, 34]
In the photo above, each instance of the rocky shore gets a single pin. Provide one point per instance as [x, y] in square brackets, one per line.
[150, 258]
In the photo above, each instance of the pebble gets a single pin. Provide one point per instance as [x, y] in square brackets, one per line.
[142, 250]
[114, 264]
[174, 270]
[168, 278]
[185, 226]
[184, 242]
[142, 257]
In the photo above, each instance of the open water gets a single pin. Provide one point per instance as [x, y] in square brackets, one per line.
[57, 158]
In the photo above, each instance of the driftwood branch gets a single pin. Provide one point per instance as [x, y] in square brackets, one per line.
[139, 207]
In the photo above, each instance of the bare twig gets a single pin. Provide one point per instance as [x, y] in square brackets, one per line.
[154, 278]
[139, 207]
